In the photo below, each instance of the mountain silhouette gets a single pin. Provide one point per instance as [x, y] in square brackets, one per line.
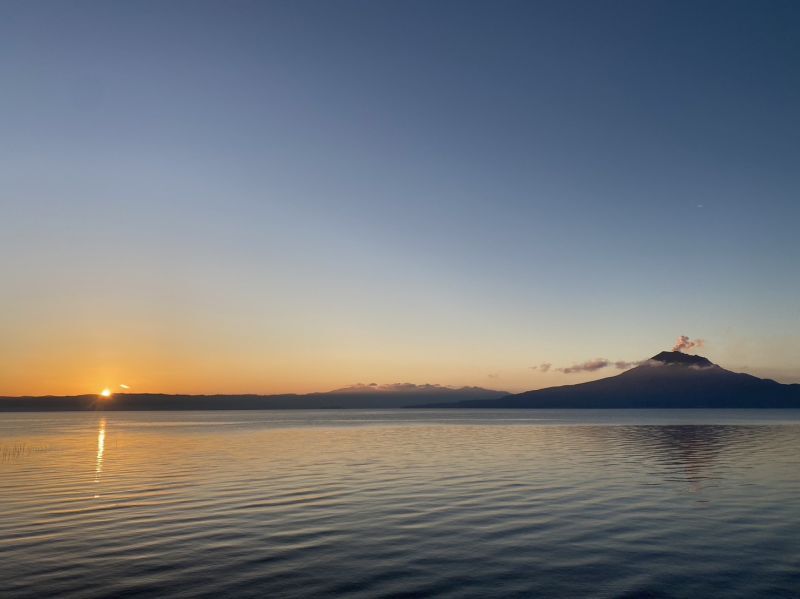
[372, 396]
[669, 379]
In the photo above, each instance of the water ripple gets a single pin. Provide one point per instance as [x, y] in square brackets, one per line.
[400, 504]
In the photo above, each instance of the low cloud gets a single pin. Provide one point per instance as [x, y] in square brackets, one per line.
[588, 366]
[623, 365]
[684, 343]
[600, 363]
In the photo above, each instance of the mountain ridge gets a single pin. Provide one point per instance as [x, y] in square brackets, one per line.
[397, 395]
[667, 380]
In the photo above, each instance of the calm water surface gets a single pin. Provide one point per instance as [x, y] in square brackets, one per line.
[400, 503]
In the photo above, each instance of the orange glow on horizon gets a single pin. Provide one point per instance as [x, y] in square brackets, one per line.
[105, 393]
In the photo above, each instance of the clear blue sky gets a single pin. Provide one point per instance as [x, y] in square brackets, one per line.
[285, 196]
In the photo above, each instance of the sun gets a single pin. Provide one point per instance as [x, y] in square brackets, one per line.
[105, 393]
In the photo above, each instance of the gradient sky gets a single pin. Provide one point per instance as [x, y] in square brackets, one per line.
[295, 196]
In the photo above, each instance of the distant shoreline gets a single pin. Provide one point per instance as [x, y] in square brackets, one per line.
[432, 408]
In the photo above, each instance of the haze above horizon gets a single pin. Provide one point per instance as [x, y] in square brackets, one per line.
[288, 197]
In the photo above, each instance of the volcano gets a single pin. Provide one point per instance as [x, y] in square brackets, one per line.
[669, 379]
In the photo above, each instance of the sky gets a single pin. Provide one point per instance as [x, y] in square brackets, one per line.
[225, 197]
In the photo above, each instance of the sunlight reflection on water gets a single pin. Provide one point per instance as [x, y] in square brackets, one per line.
[101, 445]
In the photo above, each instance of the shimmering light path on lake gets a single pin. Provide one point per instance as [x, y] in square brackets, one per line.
[400, 503]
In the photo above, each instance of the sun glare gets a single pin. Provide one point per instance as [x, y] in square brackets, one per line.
[105, 392]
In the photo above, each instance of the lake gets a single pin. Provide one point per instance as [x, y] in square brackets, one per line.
[400, 504]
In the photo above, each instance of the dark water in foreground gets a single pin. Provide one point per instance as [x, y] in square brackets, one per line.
[401, 503]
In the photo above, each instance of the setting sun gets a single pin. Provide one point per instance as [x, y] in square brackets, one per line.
[105, 392]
